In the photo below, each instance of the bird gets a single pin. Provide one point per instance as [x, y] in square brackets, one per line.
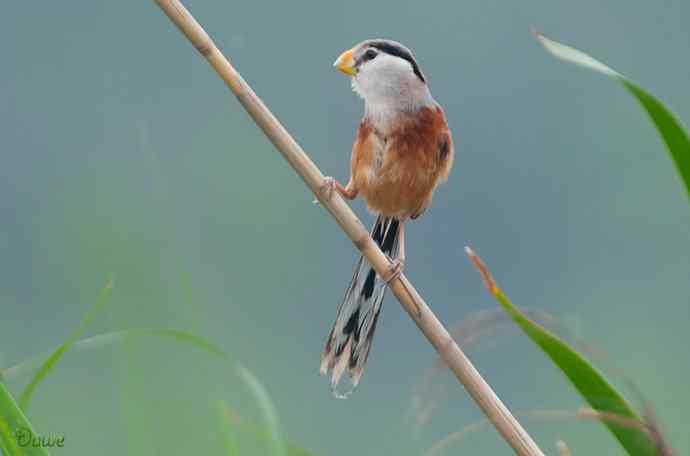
[403, 150]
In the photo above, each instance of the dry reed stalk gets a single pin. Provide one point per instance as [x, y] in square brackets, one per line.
[411, 301]
[608, 417]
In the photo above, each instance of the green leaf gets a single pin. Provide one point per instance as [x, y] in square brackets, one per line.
[230, 420]
[12, 424]
[588, 381]
[57, 354]
[226, 430]
[117, 337]
[673, 133]
[276, 440]
[180, 336]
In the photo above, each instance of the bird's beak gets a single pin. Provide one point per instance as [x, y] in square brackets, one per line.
[346, 63]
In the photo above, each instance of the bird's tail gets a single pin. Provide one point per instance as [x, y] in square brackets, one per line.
[350, 338]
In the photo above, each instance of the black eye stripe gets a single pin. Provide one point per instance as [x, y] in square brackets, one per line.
[397, 51]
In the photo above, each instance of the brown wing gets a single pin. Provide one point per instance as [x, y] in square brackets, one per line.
[365, 153]
[424, 143]
[446, 153]
[424, 155]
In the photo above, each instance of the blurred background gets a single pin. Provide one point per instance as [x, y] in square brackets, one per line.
[124, 157]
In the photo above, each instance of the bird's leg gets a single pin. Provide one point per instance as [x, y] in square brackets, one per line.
[398, 263]
[329, 185]
[396, 268]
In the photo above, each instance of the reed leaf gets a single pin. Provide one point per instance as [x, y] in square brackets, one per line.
[586, 379]
[12, 422]
[671, 130]
[57, 354]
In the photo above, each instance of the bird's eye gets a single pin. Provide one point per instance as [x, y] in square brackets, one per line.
[370, 54]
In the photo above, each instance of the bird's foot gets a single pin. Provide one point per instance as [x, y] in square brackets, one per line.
[326, 189]
[395, 269]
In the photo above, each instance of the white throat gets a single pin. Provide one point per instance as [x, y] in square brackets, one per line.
[383, 114]
[390, 89]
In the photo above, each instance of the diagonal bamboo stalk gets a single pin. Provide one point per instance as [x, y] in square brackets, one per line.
[411, 301]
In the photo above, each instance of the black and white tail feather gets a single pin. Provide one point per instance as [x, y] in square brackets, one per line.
[350, 338]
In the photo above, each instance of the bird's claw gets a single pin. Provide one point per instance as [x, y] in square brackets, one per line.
[326, 189]
[395, 269]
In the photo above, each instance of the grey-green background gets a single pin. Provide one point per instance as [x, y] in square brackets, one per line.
[124, 157]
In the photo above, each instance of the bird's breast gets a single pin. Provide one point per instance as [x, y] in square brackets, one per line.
[396, 174]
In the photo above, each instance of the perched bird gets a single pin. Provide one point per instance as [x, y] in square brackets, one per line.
[403, 149]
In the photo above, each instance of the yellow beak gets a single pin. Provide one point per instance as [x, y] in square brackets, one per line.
[346, 63]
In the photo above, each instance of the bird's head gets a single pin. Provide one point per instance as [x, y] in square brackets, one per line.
[384, 73]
